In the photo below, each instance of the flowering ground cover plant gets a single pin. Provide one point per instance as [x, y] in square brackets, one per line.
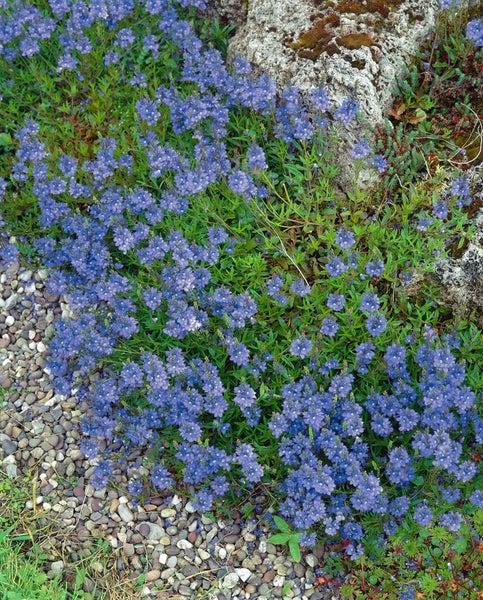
[249, 327]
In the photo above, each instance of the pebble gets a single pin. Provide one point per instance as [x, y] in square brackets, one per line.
[57, 566]
[125, 513]
[152, 575]
[230, 581]
[184, 544]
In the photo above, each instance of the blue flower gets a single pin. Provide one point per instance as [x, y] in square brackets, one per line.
[300, 287]
[147, 111]
[203, 500]
[219, 486]
[125, 37]
[399, 506]
[361, 149]
[476, 498]
[376, 324]
[450, 495]
[135, 488]
[335, 266]
[447, 4]
[241, 183]
[238, 353]
[423, 515]
[345, 239]
[440, 209]
[408, 593]
[346, 112]
[102, 474]
[364, 354]
[320, 99]
[274, 285]
[329, 326]
[369, 302]
[256, 158]
[150, 43]
[375, 268]
[247, 459]
[451, 520]
[245, 396]
[341, 385]
[336, 301]
[307, 540]
[399, 469]
[474, 31]
[379, 162]
[460, 187]
[301, 347]
[352, 531]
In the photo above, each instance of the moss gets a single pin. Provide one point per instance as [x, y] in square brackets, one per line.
[318, 35]
[352, 41]
[360, 7]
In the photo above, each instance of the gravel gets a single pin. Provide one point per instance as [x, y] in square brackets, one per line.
[181, 553]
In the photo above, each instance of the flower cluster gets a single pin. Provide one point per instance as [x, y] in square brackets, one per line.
[138, 273]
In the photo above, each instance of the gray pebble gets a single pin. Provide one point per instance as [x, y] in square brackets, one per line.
[125, 513]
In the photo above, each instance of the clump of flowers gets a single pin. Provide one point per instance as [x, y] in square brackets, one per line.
[305, 373]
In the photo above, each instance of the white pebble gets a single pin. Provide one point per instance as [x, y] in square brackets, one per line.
[184, 544]
[203, 554]
[243, 574]
[10, 302]
[57, 566]
[9, 321]
[230, 581]
[311, 560]
[25, 275]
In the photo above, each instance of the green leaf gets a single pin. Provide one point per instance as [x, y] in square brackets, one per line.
[5, 139]
[281, 524]
[460, 545]
[294, 548]
[279, 538]
[428, 583]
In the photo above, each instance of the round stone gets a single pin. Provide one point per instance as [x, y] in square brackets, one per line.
[152, 575]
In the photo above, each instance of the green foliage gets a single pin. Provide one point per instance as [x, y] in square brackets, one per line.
[287, 536]
[436, 563]
[294, 226]
[435, 124]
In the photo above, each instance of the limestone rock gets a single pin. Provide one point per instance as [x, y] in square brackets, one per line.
[352, 48]
[461, 276]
